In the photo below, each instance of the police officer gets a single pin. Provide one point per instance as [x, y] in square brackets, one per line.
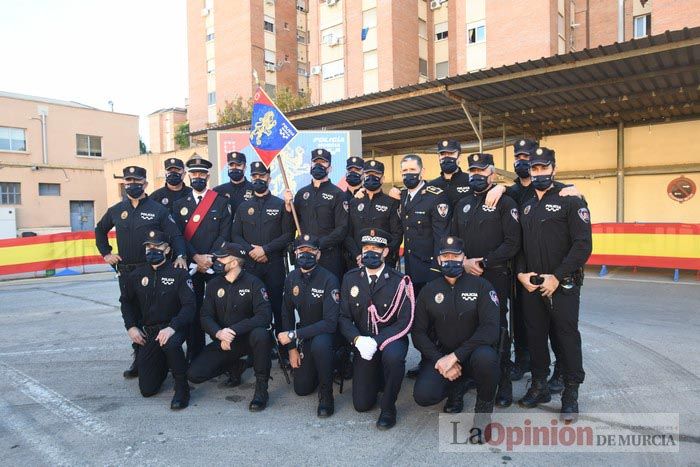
[236, 315]
[204, 217]
[452, 179]
[313, 292]
[492, 239]
[157, 306]
[556, 245]
[353, 175]
[323, 212]
[239, 188]
[374, 209]
[175, 187]
[132, 217]
[456, 331]
[376, 312]
[263, 226]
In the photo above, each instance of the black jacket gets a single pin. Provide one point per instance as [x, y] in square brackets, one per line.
[235, 192]
[456, 187]
[215, 226]
[323, 212]
[168, 197]
[381, 212]
[460, 318]
[263, 220]
[522, 194]
[158, 296]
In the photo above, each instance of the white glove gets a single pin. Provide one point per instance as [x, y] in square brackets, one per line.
[366, 346]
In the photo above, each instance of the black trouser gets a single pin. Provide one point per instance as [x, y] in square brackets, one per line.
[332, 259]
[272, 274]
[153, 360]
[195, 337]
[518, 317]
[500, 280]
[123, 271]
[213, 361]
[387, 365]
[563, 320]
[431, 387]
[316, 366]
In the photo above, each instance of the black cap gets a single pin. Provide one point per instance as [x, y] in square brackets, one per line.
[374, 166]
[235, 156]
[479, 160]
[258, 167]
[134, 171]
[156, 237]
[542, 156]
[307, 240]
[354, 162]
[230, 249]
[321, 154]
[451, 244]
[374, 237]
[173, 162]
[449, 145]
[198, 163]
[525, 146]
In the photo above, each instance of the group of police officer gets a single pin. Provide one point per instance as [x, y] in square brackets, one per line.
[194, 260]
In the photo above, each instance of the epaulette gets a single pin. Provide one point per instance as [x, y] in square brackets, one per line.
[433, 189]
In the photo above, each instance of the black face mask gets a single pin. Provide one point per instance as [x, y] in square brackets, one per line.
[478, 183]
[353, 179]
[134, 190]
[372, 259]
[236, 175]
[155, 256]
[306, 260]
[319, 172]
[173, 178]
[451, 268]
[372, 182]
[199, 184]
[541, 182]
[218, 267]
[259, 186]
[411, 180]
[448, 165]
[522, 168]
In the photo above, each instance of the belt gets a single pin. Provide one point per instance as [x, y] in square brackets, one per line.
[154, 329]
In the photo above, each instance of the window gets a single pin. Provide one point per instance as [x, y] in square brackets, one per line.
[90, 146]
[301, 5]
[210, 65]
[49, 189]
[422, 28]
[370, 59]
[301, 69]
[211, 98]
[301, 37]
[441, 31]
[210, 33]
[442, 69]
[269, 24]
[269, 57]
[9, 193]
[208, 4]
[12, 139]
[423, 67]
[642, 26]
[369, 18]
[333, 69]
[476, 33]
[271, 90]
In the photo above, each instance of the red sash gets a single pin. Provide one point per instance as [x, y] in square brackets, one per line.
[198, 215]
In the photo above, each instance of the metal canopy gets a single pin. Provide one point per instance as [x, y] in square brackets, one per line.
[643, 81]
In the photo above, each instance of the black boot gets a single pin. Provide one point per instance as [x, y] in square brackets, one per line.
[260, 397]
[537, 394]
[326, 406]
[235, 373]
[181, 399]
[569, 403]
[520, 366]
[504, 397]
[556, 382]
[482, 420]
[133, 370]
[455, 397]
[387, 420]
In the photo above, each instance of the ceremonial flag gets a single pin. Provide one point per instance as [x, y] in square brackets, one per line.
[270, 131]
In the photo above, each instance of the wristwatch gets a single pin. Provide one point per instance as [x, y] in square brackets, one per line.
[292, 335]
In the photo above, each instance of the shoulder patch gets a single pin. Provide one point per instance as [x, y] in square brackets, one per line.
[335, 293]
[264, 294]
[433, 189]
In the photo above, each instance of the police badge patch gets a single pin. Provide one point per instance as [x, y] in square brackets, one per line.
[494, 297]
[584, 215]
[526, 210]
[443, 209]
[439, 298]
[124, 215]
[305, 195]
[184, 211]
[144, 281]
[190, 285]
[466, 208]
[514, 213]
[295, 291]
[361, 207]
[264, 294]
[164, 201]
[354, 291]
[220, 293]
[335, 293]
[345, 206]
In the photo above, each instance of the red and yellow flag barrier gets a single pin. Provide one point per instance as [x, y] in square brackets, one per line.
[54, 251]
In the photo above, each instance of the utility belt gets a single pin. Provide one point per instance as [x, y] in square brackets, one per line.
[575, 279]
[153, 329]
[127, 268]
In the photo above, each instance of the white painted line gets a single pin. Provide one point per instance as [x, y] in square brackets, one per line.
[54, 402]
[57, 351]
[652, 281]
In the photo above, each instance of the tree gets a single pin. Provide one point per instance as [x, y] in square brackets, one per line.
[182, 135]
[238, 110]
[287, 100]
[142, 147]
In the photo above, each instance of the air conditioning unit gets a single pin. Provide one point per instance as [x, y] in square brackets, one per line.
[332, 40]
[270, 67]
[331, 2]
[315, 70]
[435, 4]
[205, 11]
[270, 2]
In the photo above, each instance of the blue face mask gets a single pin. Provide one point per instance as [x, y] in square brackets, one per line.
[372, 259]
[259, 186]
[522, 168]
[236, 175]
[199, 184]
[478, 183]
[218, 267]
[134, 190]
[451, 268]
[353, 179]
[372, 182]
[448, 165]
[173, 178]
[155, 256]
[319, 172]
[411, 180]
[541, 182]
[306, 260]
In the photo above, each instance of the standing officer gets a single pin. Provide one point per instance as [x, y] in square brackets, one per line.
[314, 293]
[323, 211]
[236, 315]
[376, 313]
[205, 220]
[491, 237]
[264, 228]
[452, 180]
[132, 217]
[158, 306]
[456, 332]
[353, 176]
[556, 245]
[374, 209]
[174, 188]
[239, 188]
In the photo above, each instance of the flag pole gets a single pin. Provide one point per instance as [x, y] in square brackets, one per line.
[286, 186]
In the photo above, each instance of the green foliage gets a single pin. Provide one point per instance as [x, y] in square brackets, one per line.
[238, 110]
[182, 137]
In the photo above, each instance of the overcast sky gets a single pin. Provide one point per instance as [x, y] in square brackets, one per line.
[132, 52]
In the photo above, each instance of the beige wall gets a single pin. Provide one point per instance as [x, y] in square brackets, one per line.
[162, 128]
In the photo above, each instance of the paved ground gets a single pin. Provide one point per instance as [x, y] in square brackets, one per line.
[64, 401]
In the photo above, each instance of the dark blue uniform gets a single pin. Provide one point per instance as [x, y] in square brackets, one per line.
[235, 192]
[167, 197]
[381, 211]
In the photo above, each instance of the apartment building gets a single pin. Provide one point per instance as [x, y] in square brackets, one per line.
[162, 126]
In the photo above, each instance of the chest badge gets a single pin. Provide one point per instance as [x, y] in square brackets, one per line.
[552, 207]
[526, 211]
[144, 281]
[196, 218]
[124, 215]
[354, 291]
[466, 208]
[469, 296]
[251, 211]
[439, 297]
[220, 293]
[165, 201]
[295, 291]
[361, 207]
[488, 209]
[183, 211]
[442, 209]
[305, 195]
[381, 208]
